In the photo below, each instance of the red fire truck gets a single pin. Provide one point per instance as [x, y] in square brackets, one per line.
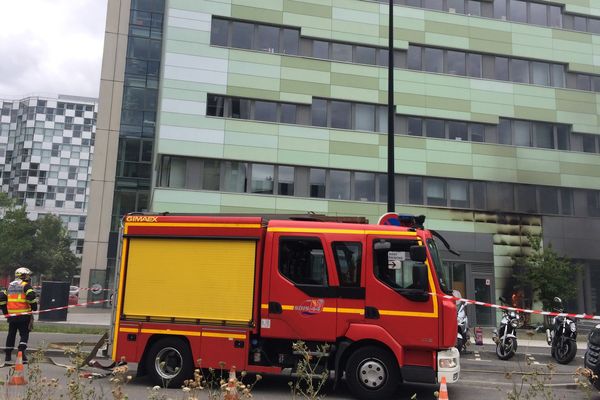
[214, 291]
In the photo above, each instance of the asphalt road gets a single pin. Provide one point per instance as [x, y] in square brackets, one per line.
[482, 375]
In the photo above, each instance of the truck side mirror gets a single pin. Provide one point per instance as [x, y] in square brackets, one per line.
[418, 253]
[419, 273]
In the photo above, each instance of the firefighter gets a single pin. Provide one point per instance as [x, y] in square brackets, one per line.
[19, 298]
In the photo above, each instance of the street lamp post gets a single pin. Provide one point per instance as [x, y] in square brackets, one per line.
[390, 173]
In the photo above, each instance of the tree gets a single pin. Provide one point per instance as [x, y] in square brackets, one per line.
[16, 236]
[42, 245]
[548, 274]
[52, 255]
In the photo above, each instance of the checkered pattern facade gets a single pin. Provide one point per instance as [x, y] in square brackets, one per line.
[46, 147]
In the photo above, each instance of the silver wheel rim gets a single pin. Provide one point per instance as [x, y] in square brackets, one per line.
[505, 348]
[372, 373]
[168, 362]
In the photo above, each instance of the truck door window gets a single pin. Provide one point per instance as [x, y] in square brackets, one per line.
[348, 258]
[302, 261]
[392, 264]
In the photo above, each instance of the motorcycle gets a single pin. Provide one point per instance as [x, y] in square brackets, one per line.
[463, 337]
[505, 336]
[563, 336]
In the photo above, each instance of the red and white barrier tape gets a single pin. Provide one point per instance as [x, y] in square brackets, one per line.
[521, 310]
[57, 308]
[85, 288]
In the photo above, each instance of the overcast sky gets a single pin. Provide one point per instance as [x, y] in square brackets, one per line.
[51, 47]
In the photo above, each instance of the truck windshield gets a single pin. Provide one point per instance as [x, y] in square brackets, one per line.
[441, 272]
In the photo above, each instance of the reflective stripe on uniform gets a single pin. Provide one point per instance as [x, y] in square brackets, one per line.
[16, 298]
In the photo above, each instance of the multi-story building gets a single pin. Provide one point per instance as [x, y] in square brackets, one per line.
[279, 106]
[46, 147]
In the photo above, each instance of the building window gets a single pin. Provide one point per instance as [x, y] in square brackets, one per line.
[290, 41]
[340, 114]
[435, 192]
[433, 60]
[288, 113]
[341, 52]
[262, 179]
[589, 143]
[265, 111]
[268, 38]
[593, 202]
[544, 135]
[319, 112]
[211, 174]
[458, 131]
[364, 117]
[548, 200]
[526, 199]
[214, 107]
[415, 190]
[339, 185]
[364, 186]
[320, 49]
[317, 183]
[241, 35]
[285, 181]
[415, 126]
[234, 176]
[458, 192]
[456, 62]
[434, 128]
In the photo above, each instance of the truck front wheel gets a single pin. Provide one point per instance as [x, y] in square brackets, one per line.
[372, 373]
[169, 362]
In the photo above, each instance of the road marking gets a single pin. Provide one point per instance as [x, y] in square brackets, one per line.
[477, 356]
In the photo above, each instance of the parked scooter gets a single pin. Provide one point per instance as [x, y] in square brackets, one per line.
[563, 336]
[505, 336]
[463, 337]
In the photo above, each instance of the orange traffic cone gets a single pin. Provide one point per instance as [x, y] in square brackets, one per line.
[18, 377]
[443, 393]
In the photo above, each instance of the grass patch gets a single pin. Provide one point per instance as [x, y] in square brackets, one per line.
[59, 328]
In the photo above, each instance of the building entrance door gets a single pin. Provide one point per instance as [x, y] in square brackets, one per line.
[483, 291]
[475, 282]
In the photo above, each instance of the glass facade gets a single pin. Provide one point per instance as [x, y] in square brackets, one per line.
[138, 115]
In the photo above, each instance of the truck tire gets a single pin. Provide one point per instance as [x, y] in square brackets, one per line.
[372, 373]
[169, 362]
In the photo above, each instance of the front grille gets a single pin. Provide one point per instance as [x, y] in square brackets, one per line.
[592, 356]
[594, 337]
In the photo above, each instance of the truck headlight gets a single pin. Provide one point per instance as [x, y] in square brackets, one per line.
[447, 363]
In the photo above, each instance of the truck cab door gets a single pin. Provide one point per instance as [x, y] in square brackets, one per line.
[410, 315]
[301, 302]
[349, 263]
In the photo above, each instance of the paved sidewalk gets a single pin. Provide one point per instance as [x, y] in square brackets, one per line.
[76, 316]
[528, 337]
[84, 316]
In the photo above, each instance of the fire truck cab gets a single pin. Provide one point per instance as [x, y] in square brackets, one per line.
[233, 291]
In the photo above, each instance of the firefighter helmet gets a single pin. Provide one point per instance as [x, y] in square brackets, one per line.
[23, 272]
